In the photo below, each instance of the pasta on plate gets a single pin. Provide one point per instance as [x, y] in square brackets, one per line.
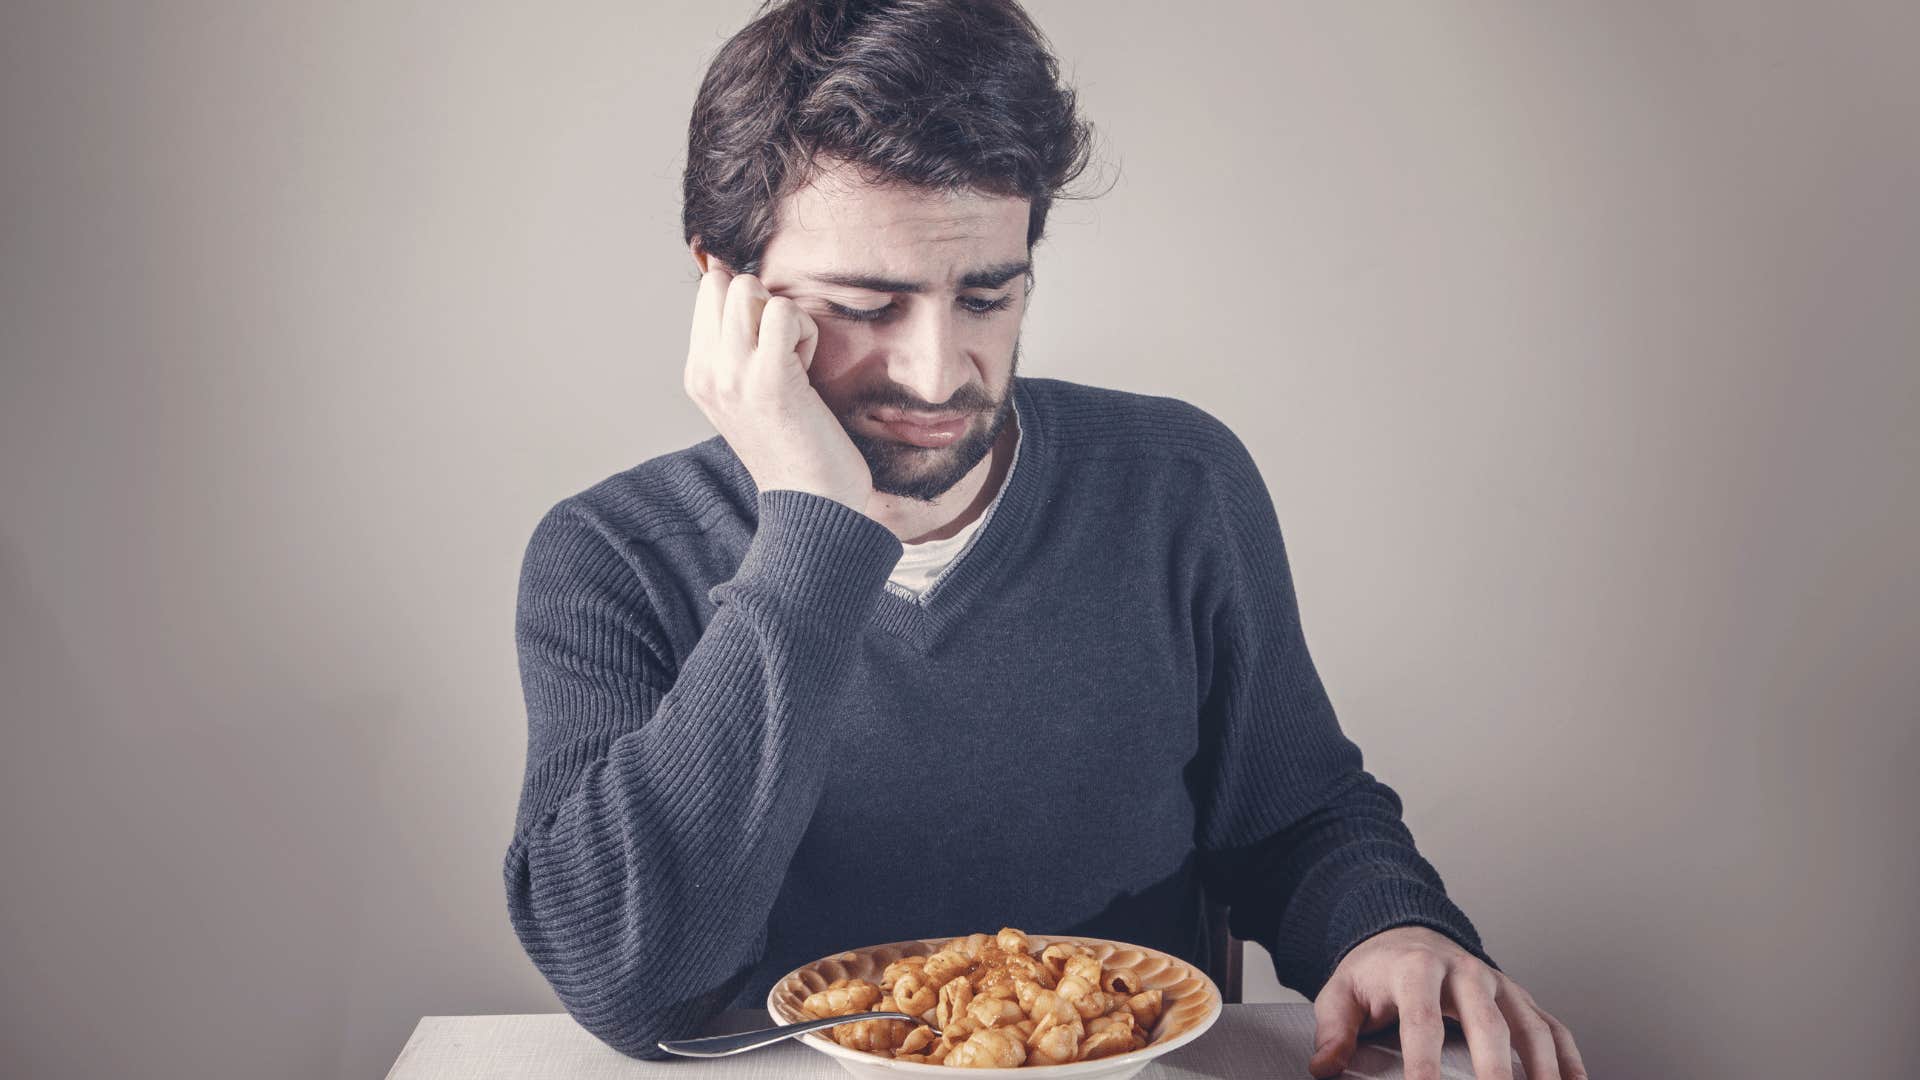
[992, 1002]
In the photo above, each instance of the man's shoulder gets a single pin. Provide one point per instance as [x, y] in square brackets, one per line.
[1107, 421]
[689, 490]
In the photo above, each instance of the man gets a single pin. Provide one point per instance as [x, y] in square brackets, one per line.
[917, 646]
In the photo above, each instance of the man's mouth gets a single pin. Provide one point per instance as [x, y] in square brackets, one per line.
[930, 430]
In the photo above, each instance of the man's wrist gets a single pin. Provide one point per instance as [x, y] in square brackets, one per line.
[1378, 906]
[814, 554]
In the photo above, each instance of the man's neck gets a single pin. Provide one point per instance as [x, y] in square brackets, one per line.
[916, 522]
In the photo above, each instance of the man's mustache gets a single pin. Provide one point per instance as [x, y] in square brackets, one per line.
[970, 399]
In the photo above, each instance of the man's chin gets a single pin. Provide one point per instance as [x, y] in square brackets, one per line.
[910, 472]
[906, 471]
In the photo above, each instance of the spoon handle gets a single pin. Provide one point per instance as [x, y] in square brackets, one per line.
[723, 1045]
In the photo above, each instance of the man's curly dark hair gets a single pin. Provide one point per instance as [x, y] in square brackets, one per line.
[950, 95]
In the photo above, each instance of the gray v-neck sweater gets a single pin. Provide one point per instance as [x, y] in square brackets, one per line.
[745, 753]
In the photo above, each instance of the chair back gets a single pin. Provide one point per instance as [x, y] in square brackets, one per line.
[1223, 953]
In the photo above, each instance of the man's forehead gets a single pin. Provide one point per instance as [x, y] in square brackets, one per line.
[872, 214]
[843, 188]
[841, 230]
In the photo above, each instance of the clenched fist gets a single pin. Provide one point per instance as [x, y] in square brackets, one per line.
[747, 365]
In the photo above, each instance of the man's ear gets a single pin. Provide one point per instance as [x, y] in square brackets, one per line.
[701, 258]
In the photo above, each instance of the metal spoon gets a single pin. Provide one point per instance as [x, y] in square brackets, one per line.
[723, 1045]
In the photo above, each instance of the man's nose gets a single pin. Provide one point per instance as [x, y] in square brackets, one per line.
[928, 359]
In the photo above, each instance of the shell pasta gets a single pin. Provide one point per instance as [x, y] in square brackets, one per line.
[991, 1001]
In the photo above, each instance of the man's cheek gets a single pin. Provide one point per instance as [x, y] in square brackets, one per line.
[836, 364]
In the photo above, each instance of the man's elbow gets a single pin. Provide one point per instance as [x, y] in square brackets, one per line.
[606, 972]
[640, 1041]
[638, 1032]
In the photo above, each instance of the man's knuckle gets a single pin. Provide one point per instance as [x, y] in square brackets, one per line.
[1414, 969]
[1489, 1016]
[1420, 1014]
[1469, 963]
[1410, 981]
[1423, 957]
[1537, 1030]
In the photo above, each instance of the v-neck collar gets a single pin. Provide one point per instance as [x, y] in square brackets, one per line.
[922, 621]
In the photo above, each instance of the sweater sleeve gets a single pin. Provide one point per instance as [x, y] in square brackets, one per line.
[1307, 849]
[660, 809]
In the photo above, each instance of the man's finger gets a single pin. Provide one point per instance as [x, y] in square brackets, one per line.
[1531, 1036]
[784, 330]
[1337, 1016]
[740, 325]
[809, 338]
[1471, 992]
[1571, 1065]
[1416, 996]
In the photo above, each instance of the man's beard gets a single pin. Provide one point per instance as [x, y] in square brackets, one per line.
[926, 473]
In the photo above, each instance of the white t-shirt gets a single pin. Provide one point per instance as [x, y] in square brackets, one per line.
[922, 564]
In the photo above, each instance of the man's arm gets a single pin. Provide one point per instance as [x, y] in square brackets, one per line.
[1306, 847]
[661, 809]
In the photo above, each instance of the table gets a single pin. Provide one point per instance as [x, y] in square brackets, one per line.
[1250, 1042]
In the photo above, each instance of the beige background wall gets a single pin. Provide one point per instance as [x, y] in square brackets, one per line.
[1579, 345]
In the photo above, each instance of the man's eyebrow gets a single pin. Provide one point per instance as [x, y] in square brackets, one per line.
[991, 277]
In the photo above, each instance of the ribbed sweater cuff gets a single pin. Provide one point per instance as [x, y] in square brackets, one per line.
[1390, 902]
[816, 555]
